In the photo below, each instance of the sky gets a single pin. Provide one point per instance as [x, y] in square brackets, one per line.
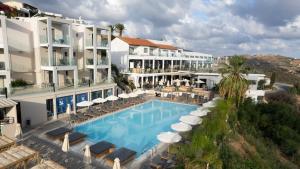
[218, 27]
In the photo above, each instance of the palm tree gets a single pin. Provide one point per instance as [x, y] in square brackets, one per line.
[121, 80]
[112, 29]
[120, 28]
[234, 85]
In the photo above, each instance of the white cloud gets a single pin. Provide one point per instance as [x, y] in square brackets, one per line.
[217, 27]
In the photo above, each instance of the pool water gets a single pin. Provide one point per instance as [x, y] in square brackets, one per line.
[136, 128]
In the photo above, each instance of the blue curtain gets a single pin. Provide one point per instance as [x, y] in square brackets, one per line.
[81, 97]
[62, 102]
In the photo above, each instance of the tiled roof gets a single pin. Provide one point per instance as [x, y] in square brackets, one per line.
[163, 46]
[137, 41]
[144, 42]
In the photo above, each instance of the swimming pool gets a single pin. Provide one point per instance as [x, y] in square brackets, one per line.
[136, 128]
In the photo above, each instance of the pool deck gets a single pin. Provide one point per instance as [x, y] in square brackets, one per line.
[51, 150]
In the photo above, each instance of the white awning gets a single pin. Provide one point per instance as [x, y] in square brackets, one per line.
[7, 103]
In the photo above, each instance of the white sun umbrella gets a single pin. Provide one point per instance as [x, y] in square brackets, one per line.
[139, 92]
[191, 120]
[18, 131]
[199, 113]
[117, 164]
[147, 80]
[161, 83]
[181, 127]
[208, 104]
[199, 81]
[177, 82]
[168, 83]
[99, 100]
[132, 95]
[169, 137]
[187, 84]
[87, 155]
[66, 145]
[84, 104]
[112, 98]
[68, 111]
[124, 96]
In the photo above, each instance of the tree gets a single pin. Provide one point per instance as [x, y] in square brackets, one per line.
[120, 28]
[112, 29]
[272, 79]
[234, 85]
[121, 80]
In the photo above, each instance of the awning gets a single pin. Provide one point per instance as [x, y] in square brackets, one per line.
[7, 103]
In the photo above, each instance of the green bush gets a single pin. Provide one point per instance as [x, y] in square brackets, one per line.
[19, 83]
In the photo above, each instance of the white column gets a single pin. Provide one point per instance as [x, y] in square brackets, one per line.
[190, 65]
[171, 79]
[143, 64]
[102, 93]
[153, 79]
[153, 65]
[172, 64]
[55, 78]
[109, 55]
[95, 62]
[142, 82]
[54, 109]
[163, 65]
[50, 41]
[74, 102]
[180, 64]
[202, 65]
[197, 65]
[75, 77]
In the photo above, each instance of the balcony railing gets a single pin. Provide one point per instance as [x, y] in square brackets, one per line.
[66, 62]
[90, 61]
[7, 120]
[89, 42]
[61, 40]
[43, 39]
[102, 43]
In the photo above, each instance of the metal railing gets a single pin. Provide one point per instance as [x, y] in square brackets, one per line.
[7, 120]
[102, 43]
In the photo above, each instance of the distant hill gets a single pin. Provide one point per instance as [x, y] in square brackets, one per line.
[287, 69]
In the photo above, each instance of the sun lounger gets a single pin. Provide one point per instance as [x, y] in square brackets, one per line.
[125, 155]
[76, 137]
[6, 143]
[101, 148]
[82, 116]
[58, 133]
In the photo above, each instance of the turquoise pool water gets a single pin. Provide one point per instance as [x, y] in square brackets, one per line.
[136, 128]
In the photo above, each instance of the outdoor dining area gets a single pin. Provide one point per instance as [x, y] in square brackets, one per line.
[184, 93]
[185, 124]
[101, 106]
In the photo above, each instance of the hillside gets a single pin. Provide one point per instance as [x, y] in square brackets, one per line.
[287, 69]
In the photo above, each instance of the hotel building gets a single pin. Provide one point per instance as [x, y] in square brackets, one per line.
[64, 61]
[146, 60]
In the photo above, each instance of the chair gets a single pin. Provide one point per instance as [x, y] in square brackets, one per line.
[101, 148]
[58, 133]
[76, 137]
[125, 155]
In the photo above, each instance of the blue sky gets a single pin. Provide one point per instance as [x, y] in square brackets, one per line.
[219, 27]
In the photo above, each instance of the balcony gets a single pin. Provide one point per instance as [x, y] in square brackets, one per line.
[89, 42]
[90, 61]
[102, 43]
[61, 41]
[43, 39]
[65, 62]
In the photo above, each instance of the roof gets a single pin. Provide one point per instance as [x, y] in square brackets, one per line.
[162, 46]
[145, 42]
[6, 103]
[137, 41]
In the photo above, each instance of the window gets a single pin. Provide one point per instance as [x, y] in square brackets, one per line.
[66, 54]
[145, 50]
[74, 54]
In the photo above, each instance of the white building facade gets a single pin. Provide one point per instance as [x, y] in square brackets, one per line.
[62, 61]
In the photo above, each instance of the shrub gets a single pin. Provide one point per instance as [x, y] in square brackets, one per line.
[19, 83]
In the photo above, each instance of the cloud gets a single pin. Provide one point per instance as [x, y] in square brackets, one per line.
[219, 27]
